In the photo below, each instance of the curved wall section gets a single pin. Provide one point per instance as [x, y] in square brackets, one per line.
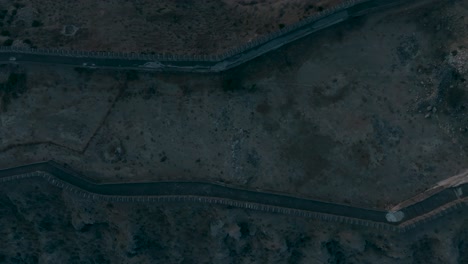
[203, 192]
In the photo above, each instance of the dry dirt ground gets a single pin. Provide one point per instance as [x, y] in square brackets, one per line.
[367, 113]
[42, 224]
[176, 27]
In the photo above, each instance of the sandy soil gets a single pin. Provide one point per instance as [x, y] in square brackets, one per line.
[178, 27]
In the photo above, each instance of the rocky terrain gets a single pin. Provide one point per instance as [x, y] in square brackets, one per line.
[336, 116]
[176, 27]
[43, 224]
[368, 113]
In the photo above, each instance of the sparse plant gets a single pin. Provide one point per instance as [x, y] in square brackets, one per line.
[83, 70]
[132, 75]
[12, 88]
[36, 23]
[3, 14]
[19, 5]
[8, 42]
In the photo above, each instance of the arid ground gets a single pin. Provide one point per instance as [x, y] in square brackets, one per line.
[368, 113]
[43, 224]
[337, 116]
[176, 27]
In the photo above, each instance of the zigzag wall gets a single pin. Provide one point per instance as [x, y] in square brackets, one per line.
[201, 63]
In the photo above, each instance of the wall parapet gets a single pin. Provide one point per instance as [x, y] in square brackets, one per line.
[200, 63]
[211, 193]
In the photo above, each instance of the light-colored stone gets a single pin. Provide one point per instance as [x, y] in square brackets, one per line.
[394, 217]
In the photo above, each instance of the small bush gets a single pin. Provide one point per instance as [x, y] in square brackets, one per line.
[5, 33]
[8, 42]
[456, 97]
[12, 89]
[27, 41]
[281, 26]
[15, 82]
[3, 14]
[36, 23]
[19, 5]
[83, 70]
[132, 75]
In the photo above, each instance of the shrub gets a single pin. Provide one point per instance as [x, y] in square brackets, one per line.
[3, 14]
[12, 89]
[15, 82]
[132, 75]
[8, 42]
[19, 5]
[37, 23]
[83, 70]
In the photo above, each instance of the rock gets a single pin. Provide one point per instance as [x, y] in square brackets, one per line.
[394, 217]
[427, 116]
[429, 108]
[434, 109]
[234, 231]
[215, 227]
[69, 30]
